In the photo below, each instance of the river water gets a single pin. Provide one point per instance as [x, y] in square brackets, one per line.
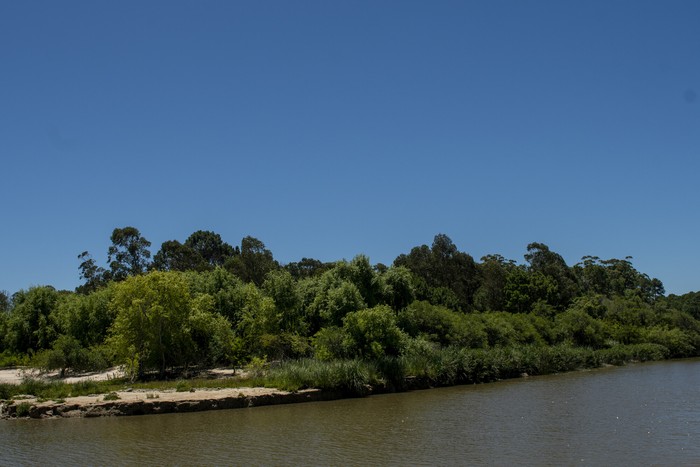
[642, 414]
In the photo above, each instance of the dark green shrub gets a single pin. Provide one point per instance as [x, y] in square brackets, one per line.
[373, 333]
[183, 386]
[23, 409]
[678, 342]
[442, 325]
[579, 328]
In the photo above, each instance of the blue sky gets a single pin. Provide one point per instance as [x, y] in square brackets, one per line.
[329, 129]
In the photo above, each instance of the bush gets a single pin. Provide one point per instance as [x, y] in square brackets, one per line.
[579, 328]
[9, 359]
[443, 326]
[329, 344]
[373, 333]
[284, 346]
[679, 343]
[182, 386]
[67, 353]
[112, 396]
[621, 354]
[353, 377]
[23, 409]
[508, 329]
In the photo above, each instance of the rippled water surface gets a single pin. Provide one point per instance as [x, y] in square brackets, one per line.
[644, 414]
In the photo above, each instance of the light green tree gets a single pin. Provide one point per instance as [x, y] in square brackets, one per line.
[157, 320]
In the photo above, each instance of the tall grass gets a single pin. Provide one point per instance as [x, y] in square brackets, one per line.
[449, 366]
[432, 365]
[354, 377]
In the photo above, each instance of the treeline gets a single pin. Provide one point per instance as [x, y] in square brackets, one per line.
[204, 302]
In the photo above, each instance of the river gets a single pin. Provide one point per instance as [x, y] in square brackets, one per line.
[641, 414]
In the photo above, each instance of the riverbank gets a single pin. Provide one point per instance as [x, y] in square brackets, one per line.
[143, 402]
[129, 401]
[305, 380]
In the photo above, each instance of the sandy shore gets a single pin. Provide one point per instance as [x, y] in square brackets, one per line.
[157, 402]
[143, 402]
[16, 375]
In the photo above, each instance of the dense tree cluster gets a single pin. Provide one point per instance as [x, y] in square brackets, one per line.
[206, 302]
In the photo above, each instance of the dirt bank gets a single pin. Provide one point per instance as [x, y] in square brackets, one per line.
[156, 402]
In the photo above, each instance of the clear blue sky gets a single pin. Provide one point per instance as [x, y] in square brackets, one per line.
[332, 128]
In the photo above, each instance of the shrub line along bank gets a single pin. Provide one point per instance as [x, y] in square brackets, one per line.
[310, 381]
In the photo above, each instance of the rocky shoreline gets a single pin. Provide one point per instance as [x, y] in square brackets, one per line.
[126, 403]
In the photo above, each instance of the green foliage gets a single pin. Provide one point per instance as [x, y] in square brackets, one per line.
[94, 276]
[183, 386]
[87, 318]
[523, 289]
[579, 328]
[630, 311]
[210, 248]
[257, 366]
[443, 296]
[494, 270]
[453, 365]
[9, 359]
[174, 256]
[499, 330]
[259, 316]
[353, 377]
[236, 305]
[112, 396]
[55, 389]
[67, 353]
[688, 303]
[307, 267]
[373, 332]
[360, 273]
[211, 333]
[443, 266]
[227, 290]
[621, 354]
[282, 288]
[203, 250]
[553, 267]
[616, 277]
[4, 318]
[159, 324]
[254, 261]
[23, 409]
[128, 255]
[30, 325]
[593, 305]
[396, 287]
[678, 342]
[330, 344]
[4, 303]
[283, 346]
[543, 309]
[443, 326]
[506, 329]
[333, 298]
